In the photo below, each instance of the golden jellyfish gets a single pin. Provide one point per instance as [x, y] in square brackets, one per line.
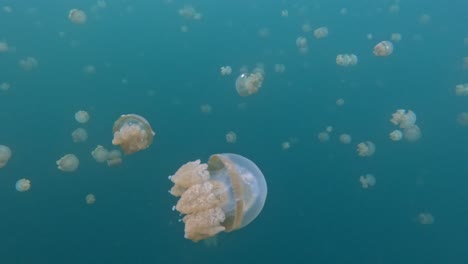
[412, 133]
[366, 149]
[89, 70]
[90, 198]
[284, 13]
[5, 155]
[425, 219]
[301, 43]
[226, 70]
[345, 138]
[114, 158]
[403, 118]
[231, 137]
[367, 181]
[23, 185]
[285, 145]
[280, 68]
[462, 119]
[248, 84]
[82, 117]
[28, 63]
[133, 133]
[383, 48]
[5, 86]
[77, 16]
[79, 135]
[395, 37]
[323, 136]
[206, 108]
[100, 154]
[396, 135]
[223, 195]
[340, 102]
[321, 32]
[461, 89]
[68, 163]
[3, 46]
[346, 60]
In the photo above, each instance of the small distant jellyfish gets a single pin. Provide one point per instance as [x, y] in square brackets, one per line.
[461, 89]
[133, 133]
[89, 70]
[301, 43]
[394, 8]
[369, 36]
[345, 138]
[231, 137]
[28, 63]
[346, 60]
[226, 70]
[323, 136]
[79, 135]
[90, 199]
[425, 219]
[424, 19]
[223, 195]
[264, 32]
[7, 9]
[367, 181]
[321, 32]
[77, 16]
[189, 12]
[5, 155]
[395, 37]
[465, 63]
[114, 158]
[340, 102]
[100, 154]
[5, 87]
[306, 27]
[366, 149]
[462, 119]
[285, 145]
[383, 48]
[280, 68]
[82, 117]
[206, 108]
[3, 46]
[23, 185]
[403, 118]
[396, 135]
[343, 11]
[329, 129]
[248, 84]
[68, 163]
[412, 133]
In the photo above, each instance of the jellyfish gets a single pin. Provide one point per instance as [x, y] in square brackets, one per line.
[340, 102]
[301, 43]
[367, 181]
[285, 145]
[346, 60]
[396, 135]
[114, 158]
[23, 185]
[425, 219]
[321, 32]
[89, 70]
[79, 135]
[395, 37]
[323, 136]
[231, 137]
[284, 13]
[77, 16]
[462, 119]
[133, 133]
[248, 84]
[223, 195]
[5, 155]
[68, 163]
[82, 117]
[461, 89]
[5, 86]
[366, 149]
[3, 46]
[403, 118]
[90, 198]
[383, 48]
[206, 108]
[280, 68]
[412, 133]
[226, 70]
[28, 63]
[345, 138]
[100, 154]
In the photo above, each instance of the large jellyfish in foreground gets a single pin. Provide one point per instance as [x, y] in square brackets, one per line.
[225, 194]
[133, 133]
[5, 155]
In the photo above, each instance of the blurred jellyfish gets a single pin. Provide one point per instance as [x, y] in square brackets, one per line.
[343, 11]
[285, 145]
[462, 119]
[403, 118]
[5, 86]
[329, 129]
[79, 135]
[77, 16]
[28, 63]
[100, 154]
[425, 219]
[383, 48]
[396, 135]
[412, 133]
[394, 8]
[301, 43]
[395, 37]
[424, 19]
[340, 102]
[133, 133]
[346, 60]
[7, 9]
[323, 136]
[461, 89]
[345, 138]
[369, 36]
[23, 185]
[226, 194]
[226, 70]
[82, 117]
[280, 68]
[465, 63]
[189, 12]
[367, 181]
[3, 46]
[248, 84]
[231, 137]
[321, 32]
[264, 32]
[284, 13]
[68, 163]
[366, 149]
[90, 198]
[5, 155]
[89, 70]
[114, 158]
[306, 27]
[206, 108]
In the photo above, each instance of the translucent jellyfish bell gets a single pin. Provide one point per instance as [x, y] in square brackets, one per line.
[133, 133]
[225, 194]
[383, 48]
[5, 155]
[248, 84]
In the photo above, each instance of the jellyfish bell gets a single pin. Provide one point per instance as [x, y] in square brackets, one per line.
[412, 133]
[366, 149]
[82, 117]
[68, 163]
[248, 84]
[77, 16]
[383, 48]
[225, 194]
[100, 154]
[79, 135]
[23, 185]
[133, 133]
[345, 138]
[396, 135]
[5, 155]
[90, 198]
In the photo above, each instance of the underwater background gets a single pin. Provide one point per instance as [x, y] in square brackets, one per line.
[151, 61]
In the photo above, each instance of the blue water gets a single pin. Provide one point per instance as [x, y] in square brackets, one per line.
[316, 210]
